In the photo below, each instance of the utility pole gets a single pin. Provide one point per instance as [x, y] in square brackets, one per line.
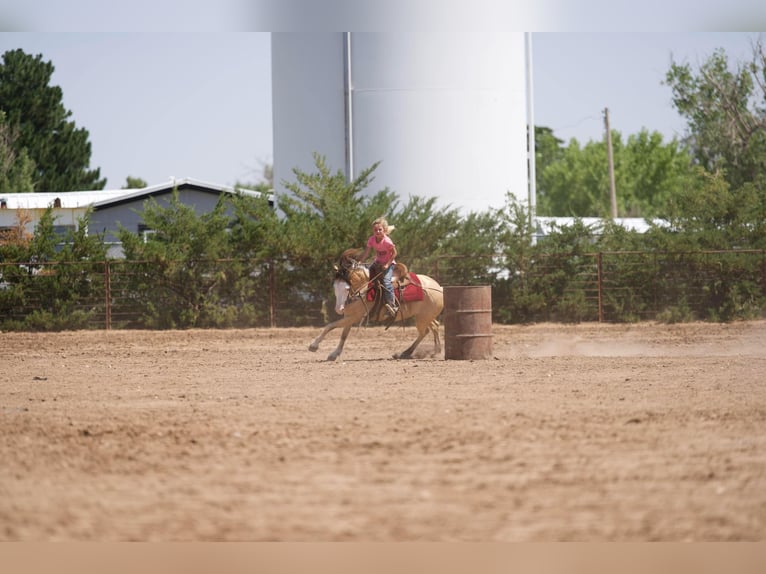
[610, 156]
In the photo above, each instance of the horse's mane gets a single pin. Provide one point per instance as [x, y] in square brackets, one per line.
[351, 254]
[347, 261]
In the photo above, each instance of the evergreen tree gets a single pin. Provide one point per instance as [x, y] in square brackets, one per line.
[16, 169]
[134, 183]
[324, 214]
[60, 150]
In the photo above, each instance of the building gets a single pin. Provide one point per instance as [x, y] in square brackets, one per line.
[110, 208]
[544, 225]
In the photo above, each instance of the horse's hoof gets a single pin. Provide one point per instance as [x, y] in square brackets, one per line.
[313, 347]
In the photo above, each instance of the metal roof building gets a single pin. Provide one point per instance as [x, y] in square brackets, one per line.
[111, 209]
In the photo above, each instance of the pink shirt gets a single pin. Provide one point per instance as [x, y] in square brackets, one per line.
[383, 250]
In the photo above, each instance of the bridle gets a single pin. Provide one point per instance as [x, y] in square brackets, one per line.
[344, 268]
[343, 272]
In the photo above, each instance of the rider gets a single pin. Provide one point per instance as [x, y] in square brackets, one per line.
[385, 259]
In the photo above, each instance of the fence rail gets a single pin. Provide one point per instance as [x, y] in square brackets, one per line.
[604, 286]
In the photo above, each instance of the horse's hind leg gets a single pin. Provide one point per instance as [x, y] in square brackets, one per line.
[407, 353]
[437, 341]
[423, 329]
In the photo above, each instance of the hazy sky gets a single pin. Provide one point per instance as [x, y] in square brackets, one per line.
[198, 104]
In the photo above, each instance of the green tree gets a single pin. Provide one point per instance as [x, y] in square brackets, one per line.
[322, 215]
[184, 281]
[60, 151]
[58, 283]
[709, 214]
[16, 169]
[424, 233]
[575, 182]
[325, 214]
[134, 183]
[650, 173]
[724, 106]
[516, 297]
[470, 243]
[548, 150]
[257, 230]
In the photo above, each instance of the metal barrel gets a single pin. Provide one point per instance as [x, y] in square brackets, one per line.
[468, 322]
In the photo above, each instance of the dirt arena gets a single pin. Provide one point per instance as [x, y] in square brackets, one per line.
[584, 432]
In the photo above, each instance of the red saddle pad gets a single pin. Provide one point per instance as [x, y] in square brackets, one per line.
[412, 291]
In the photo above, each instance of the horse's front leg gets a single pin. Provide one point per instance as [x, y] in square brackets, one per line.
[339, 349]
[346, 323]
[330, 326]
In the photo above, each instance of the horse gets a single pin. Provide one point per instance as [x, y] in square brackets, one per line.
[352, 285]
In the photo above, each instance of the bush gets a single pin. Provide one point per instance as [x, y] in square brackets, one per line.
[42, 320]
[680, 313]
[572, 308]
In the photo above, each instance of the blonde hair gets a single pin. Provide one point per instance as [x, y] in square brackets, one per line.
[386, 227]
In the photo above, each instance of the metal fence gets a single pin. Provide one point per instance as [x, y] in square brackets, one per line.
[634, 286]
[605, 287]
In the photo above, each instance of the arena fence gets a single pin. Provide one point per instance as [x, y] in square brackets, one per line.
[605, 287]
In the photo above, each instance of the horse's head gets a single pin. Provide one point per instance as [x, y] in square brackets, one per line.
[351, 277]
[342, 289]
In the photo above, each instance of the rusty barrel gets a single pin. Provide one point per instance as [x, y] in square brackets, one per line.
[468, 322]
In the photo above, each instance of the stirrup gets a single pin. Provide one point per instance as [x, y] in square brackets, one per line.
[391, 310]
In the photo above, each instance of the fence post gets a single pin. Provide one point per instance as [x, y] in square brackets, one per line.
[763, 271]
[272, 295]
[600, 282]
[108, 296]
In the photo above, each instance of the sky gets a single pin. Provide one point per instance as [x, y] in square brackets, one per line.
[198, 104]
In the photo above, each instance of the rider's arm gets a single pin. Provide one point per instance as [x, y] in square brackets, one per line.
[394, 253]
[366, 254]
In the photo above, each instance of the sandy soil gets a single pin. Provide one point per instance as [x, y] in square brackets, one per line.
[586, 432]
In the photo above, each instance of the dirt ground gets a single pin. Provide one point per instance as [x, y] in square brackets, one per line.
[584, 432]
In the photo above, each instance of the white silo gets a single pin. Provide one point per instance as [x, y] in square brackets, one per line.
[445, 114]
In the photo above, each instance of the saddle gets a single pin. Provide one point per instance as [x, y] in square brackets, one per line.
[400, 276]
[407, 288]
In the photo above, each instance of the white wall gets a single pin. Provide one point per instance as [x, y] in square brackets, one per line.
[444, 113]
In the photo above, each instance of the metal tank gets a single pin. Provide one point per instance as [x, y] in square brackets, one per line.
[445, 114]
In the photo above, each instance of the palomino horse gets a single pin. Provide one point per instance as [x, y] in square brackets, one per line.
[351, 284]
